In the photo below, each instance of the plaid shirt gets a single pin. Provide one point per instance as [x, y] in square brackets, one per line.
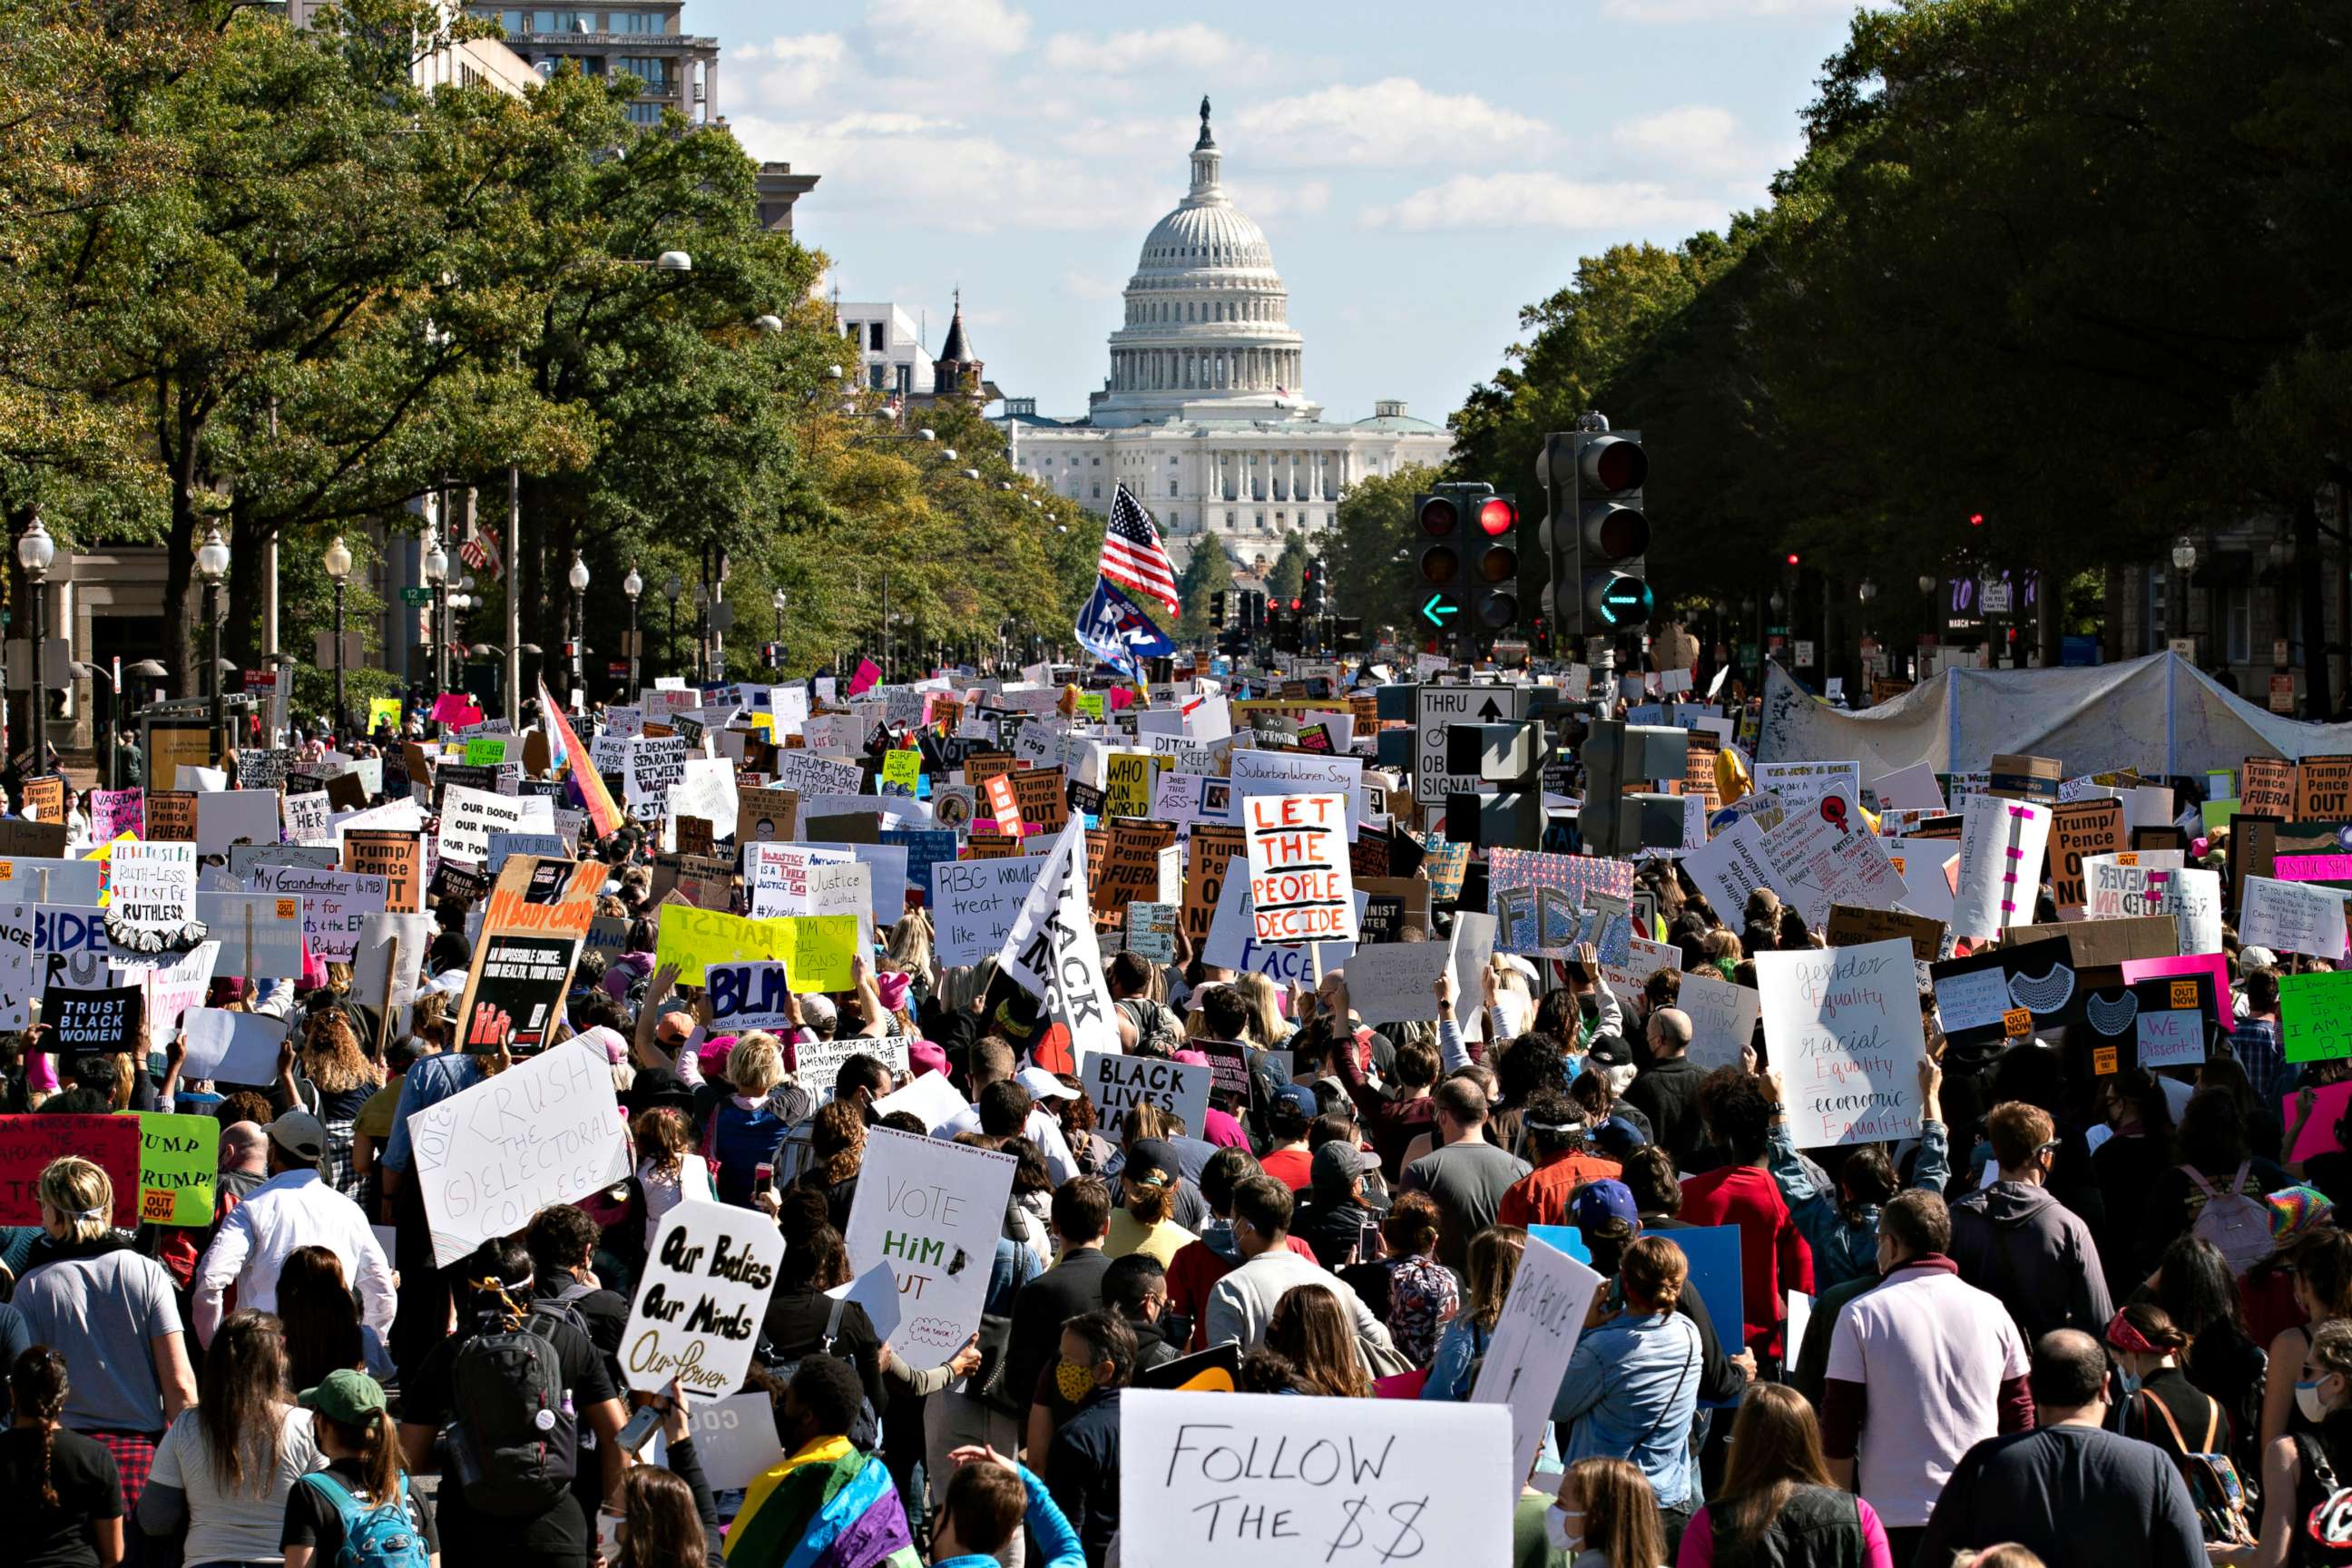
[2263, 1053]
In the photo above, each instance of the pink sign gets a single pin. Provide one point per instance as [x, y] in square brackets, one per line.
[2318, 1136]
[455, 708]
[2216, 965]
[868, 672]
[2313, 867]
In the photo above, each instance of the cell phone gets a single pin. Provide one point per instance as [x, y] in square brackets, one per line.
[1368, 1241]
[763, 1175]
[641, 1428]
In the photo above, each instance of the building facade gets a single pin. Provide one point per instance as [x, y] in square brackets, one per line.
[1204, 413]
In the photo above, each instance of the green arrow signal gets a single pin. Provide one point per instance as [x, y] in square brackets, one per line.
[1437, 609]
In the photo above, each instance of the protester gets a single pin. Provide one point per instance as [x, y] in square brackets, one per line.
[1421, 1292]
[224, 1472]
[1738, 1109]
[1632, 1385]
[1495, 1254]
[1778, 1502]
[1467, 1174]
[1842, 1233]
[1097, 1360]
[61, 1490]
[1241, 1304]
[1606, 1515]
[2015, 1241]
[296, 1207]
[827, 1504]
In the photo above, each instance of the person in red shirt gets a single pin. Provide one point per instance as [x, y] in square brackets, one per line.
[1556, 1134]
[1773, 1257]
[1289, 1119]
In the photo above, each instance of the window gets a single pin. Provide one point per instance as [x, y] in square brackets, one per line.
[1098, 462]
[874, 337]
[644, 114]
[1229, 520]
[2238, 623]
[651, 69]
[875, 374]
[1171, 462]
[633, 22]
[849, 330]
[1098, 490]
[1171, 489]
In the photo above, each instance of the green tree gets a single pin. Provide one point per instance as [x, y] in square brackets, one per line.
[1207, 571]
[1285, 576]
[1371, 552]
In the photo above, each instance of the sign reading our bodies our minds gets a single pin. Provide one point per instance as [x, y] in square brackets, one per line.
[1843, 1024]
[698, 1310]
[931, 1210]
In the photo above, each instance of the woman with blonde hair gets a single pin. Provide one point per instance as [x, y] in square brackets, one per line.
[113, 1313]
[748, 1127]
[1608, 1516]
[1494, 1263]
[1268, 1028]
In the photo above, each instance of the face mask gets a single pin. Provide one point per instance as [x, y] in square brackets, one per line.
[2127, 1381]
[2307, 1400]
[1556, 1531]
[1074, 1382]
[1622, 1079]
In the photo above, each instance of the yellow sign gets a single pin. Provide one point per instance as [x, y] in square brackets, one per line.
[384, 712]
[1127, 784]
[902, 769]
[814, 949]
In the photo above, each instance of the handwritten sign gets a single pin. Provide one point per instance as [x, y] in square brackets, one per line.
[753, 996]
[1117, 1082]
[28, 1144]
[2315, 1016]
[696, 1314]
[1844, 1026]
[931, 1211]
[153, 885]
[973, 903]
[546, 1130]
[1542, 1319]
[2172, 1037]
[814, 949]
[2291, 916]
[1301, 889]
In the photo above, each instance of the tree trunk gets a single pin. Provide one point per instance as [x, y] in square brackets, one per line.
[2310, 570]
[182, 618]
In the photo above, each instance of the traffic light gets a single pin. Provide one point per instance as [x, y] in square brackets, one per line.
[1495, 573]
[1594, 534]
[1217, 609]
[1439, 518]
[1615, 753]
[1314, 591]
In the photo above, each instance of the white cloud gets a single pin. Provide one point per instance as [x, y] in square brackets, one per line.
[1159, 49]
[804, 69]
[1087, 285]
[1656, 11]
[1550, 201]
[946, 31]
[940, 176]
[1385, 124]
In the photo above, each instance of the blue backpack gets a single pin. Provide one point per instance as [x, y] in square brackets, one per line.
[383, 1536]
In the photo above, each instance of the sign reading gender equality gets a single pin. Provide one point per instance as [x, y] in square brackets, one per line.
[1843, 1024]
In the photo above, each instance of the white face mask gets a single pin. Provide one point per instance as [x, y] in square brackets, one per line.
[1622, 1079]
[2307, 1400]
[1555, 1528]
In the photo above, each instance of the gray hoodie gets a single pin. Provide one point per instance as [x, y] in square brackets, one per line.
[2015, 1241]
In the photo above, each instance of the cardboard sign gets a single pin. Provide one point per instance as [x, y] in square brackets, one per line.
[94, 1022]
[1723, 1019]
[696, 1319]
[973, 904]
[2080, 828]
[764, 815]
[1541, 1320]
[2017, 777]
[546, 1130]
[1208, 861]
[1118, 1082]
[2323, 790]
[398, 857]
[2291, 916]
[1365, 1481]
[178, 1158]
[930, 1211]
[814, 949]
[1851, 927]
[1395, 981]
[2104, 943]
[1301, 887]
[28, 1144]
[1844, 1025]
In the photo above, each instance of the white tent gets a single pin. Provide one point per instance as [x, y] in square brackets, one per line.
[2158, 715]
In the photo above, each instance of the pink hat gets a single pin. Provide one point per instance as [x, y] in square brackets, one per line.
[1196, 1058]
[609, 1041]
[713, 1055]
[924, 1057]
[893, 989]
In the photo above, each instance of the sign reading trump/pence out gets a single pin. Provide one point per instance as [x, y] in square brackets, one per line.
[931, 1211]
[698, 1311]
[1301, 888]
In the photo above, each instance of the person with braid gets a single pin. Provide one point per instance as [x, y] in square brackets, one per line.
[60, 1490]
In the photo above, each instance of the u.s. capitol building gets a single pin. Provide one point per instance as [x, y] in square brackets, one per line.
[1204, 415]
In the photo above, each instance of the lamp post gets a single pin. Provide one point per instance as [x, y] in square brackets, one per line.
[435, 565]
[2184, 562]
[701, 630]
[211, 566]
[671, 588]
[579, 580]
[338, 567]
[631, 586]
[35, 550]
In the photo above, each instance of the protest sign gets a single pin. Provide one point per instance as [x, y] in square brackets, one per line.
[170, 989]
[2192, 897]
[309, 819]
[20, 975]
[1827, 857]
[1732, 864]
[511, 996]
[764, 815]
[469, 817]
[382, 977]
[2291, 916]
[231, 1047]
[1723, 1019]
[178, 1157]
[152, 887]
[115, 812]
[235, 816]
[1051, 951]
[1151, 931]
[931, 1211]
[2323, 789]
[1208, 857]
[42, 879]
[261, 934]
[973, 905]
[695, 1318]
[1850, 927]
[2330, 1104]
[92, 1022]
[1117, 1082]
[2001, 845]
[44, 797]
[752, 996]
[1843, 1028]
[1130, 871]
[1396, 981]
[546, 1130]
[28, 1144]
[814, 949]
[2080, 828]
[1365, 1481]
[2172, 1037]
[1127, 784]
[2315, 1016]
[335, 904]
[1802, 785]
[1541, 1320]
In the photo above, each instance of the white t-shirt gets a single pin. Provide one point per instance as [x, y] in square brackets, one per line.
[246, 1526]
[1932, 1353]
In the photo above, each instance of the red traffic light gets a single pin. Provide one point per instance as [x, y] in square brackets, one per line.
[1295, 604]
[1976, 520]
[1438, 516]
[1792, 558]
[1497, 517]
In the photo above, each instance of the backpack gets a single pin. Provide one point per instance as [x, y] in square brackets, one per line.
[2212, 1479]
[382, 1536]
[2238, 1225]
[515, 1445]
[866, 1430]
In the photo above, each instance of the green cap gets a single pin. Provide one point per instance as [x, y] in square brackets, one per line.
[350, 1397]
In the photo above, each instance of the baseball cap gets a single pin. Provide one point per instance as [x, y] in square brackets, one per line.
[1042, 1085]
[1150, 1164]
[817, 1010]
[1608, 1051]
[1596, 1203]
[1299, 1098]
[350, 1397]
[1616, 1137]
[300, 1134]
[1337, 1163]
[2253, 958]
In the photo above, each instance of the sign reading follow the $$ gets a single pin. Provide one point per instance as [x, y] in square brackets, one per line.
[1259, 1480]
[546, 1130]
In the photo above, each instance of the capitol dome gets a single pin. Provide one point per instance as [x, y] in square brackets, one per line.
[1206, 316]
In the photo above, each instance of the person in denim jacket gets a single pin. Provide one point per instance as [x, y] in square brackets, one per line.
[1843, 1235]
[1632, 1387]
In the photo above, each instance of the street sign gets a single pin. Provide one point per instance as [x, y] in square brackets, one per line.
[1804, 654]
[1437, 707]
[1995, 599]
[2283, 694]
[416, 595]
[1439, 609]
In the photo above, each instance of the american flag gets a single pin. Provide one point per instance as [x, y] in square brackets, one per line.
[1131, 553]
[482, 555]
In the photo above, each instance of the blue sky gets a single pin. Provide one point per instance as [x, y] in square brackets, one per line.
[1420, 172]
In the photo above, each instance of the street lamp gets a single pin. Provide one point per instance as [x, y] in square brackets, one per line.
[2184, 554]
[578, 578]
[1927, 584]
[1867, 591]
[2184, 562]
[631, 586]
[339, 567]
[671, 588]
[782, 599]
[212, 565]
[35, 550]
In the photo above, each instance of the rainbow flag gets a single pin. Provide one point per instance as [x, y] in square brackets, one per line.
[828, 1506]
[603, 815]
